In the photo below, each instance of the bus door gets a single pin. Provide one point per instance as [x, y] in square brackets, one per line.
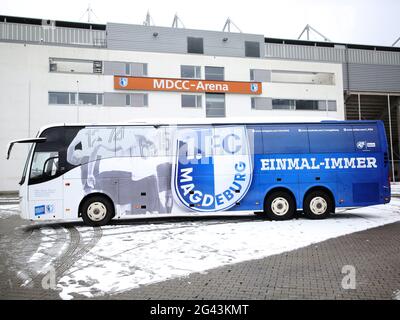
[45, 187]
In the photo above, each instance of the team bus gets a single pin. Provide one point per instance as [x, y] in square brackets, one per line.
[103, 172]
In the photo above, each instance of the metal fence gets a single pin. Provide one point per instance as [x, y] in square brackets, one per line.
[52, 34]
[300, 52]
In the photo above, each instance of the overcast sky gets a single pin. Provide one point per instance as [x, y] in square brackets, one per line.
[352, 21]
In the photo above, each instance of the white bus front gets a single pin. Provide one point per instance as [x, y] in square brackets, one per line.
[41, 185]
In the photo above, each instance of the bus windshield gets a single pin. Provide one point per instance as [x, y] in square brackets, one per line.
[50, 157]
[46, 157]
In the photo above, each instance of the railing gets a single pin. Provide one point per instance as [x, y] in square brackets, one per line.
[299, 52]
[52, 34]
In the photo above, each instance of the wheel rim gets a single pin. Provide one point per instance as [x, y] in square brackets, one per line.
[318, 205]
[96, 211]
[280, 206]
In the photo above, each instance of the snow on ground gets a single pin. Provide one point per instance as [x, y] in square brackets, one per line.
[7, 210]
[128, 256]
[396, 295]
[395, 188]
[133, 254]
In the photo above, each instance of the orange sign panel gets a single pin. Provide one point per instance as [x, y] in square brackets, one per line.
[186, 85]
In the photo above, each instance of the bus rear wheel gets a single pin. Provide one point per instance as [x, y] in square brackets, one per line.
[279, 205]
[317, 205]
[97, 211]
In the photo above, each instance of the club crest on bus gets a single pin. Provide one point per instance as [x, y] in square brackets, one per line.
[212, 167]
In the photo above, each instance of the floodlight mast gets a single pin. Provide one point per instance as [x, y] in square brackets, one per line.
[227, 26]
[307, 29]
[396, 42]
[176, 21]
[149, 20]
[89, 11]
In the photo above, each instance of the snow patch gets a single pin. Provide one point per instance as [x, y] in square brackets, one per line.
[128, 256]
[8, 210]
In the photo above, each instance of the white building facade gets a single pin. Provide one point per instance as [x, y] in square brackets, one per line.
[55, 80]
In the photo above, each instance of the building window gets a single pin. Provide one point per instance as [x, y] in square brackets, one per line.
[214, 73]
[332, 105]
[75, 66]
[137, 100]
[90, 99]
[136, 69]
[127, 68]
[260, 75]
[191, 72]
[191, 101]
[69, 98]
[252, 49]
[62, 98]
[283, 104]
[215, 105]
[303, 77]
[310, 105]
[195, 45]
[263, 103]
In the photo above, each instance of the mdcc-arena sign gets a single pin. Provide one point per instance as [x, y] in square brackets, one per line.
[186, 85]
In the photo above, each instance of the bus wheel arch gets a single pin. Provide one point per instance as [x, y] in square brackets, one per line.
[96, 209]
[279, 204]
[318, 202]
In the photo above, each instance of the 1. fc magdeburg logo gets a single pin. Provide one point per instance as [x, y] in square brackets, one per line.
[254, 87]
[212, 167]
[123, 82]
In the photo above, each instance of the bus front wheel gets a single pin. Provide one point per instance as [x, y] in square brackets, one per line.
[317, 205]
[97, 211]
[279, 205]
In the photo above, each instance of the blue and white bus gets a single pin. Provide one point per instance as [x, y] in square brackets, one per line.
[103, 172]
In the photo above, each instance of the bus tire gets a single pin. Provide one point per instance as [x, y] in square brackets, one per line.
[97, 211]
[317, 205]
[279, 205]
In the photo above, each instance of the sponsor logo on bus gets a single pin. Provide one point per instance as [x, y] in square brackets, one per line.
[39, 210]
[213, 168]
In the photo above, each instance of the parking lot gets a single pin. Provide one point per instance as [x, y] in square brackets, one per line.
[208, 257]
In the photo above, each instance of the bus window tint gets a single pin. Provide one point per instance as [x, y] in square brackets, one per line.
[46, 158]
[366, 138]
[91, 144]
[285, 139]
[330, 138]
[44, 165]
